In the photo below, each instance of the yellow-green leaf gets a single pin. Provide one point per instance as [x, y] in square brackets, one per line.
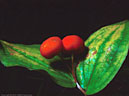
[29, 56]
[108, 48]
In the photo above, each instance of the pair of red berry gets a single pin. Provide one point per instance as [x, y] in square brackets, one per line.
[71, 44]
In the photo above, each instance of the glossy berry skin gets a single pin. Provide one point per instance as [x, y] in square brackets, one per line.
[51, 47]
[73, 44]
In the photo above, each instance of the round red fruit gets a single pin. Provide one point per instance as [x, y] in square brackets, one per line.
[73, 44]
[51, 47]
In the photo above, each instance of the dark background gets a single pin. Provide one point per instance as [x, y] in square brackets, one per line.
[32, 21]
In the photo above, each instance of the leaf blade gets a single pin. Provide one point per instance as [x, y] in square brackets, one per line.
[29, 56]
[106, 46]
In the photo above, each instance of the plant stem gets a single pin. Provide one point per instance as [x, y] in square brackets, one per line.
[74, 76]
[79, 87]
[73, 71]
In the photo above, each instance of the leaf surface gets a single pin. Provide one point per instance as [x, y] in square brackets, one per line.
[28, 56]
[108, 48]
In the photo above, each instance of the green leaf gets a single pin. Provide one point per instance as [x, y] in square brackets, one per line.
[108, 48]
[28, 56]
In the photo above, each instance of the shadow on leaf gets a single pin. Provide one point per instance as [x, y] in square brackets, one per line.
[62, 65]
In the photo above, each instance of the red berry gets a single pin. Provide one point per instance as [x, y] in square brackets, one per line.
[51, 47]
[73, 44]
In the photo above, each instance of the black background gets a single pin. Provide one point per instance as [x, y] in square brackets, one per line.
[32, 21]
